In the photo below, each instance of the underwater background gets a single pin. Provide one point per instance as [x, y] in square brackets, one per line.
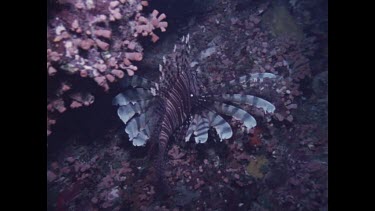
[270, 161]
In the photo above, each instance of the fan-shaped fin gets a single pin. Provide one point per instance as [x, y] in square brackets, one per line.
[250, 100]
[131, 96]
[140, 139]
[131, 128]
[135, 126]
[201, 132]
[137, 81]
[236, 113]
[253, 77]
[126, 112]
[139, 127]
[221, 126]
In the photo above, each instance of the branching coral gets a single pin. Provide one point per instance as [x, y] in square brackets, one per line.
[94, 40]
[146, 26]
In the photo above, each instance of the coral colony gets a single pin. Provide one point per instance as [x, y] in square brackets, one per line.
[227, 110]
[84, 30]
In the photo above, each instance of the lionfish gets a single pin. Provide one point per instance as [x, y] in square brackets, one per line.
[179, 103]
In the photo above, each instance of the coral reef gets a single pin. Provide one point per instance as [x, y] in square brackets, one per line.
[95, 40]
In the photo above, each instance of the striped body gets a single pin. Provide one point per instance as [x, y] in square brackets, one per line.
[156, 111]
